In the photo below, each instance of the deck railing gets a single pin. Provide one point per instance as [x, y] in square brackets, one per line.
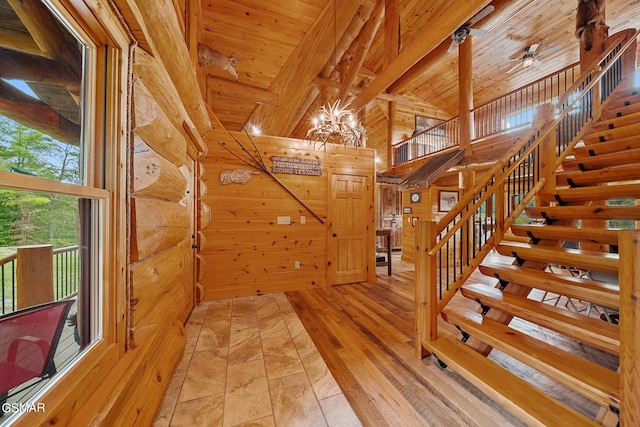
[66, 276]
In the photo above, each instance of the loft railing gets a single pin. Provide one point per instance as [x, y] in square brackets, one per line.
[66, 276]
[449, 251]
[510, 111]
[515, 109]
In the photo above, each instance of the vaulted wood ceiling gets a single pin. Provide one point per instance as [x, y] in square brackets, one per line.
[286, 64]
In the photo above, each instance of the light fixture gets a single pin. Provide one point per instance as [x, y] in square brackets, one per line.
[527, 61]
[335, 124]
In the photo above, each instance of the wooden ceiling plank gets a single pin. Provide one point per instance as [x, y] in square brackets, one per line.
[226, 88]
[441, 26]
[309, 57]
[35, 114]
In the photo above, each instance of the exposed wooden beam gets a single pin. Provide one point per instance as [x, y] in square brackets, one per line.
[356, 91]
[391, 31]
[44, 29]
[309, 57]
[359, 48]
[408, 80]
[19, 41]
[162, 26]
[37, 69]
[441, 25]
[35, 114]
[231, 89]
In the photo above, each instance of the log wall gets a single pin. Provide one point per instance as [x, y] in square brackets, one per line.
[150, 280]
[247, 252]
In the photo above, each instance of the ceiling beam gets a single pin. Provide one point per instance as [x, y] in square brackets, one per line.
[391, 31]
[217, 87]
[44, 29]
[440, 27]
[304, 65]
[35, 114]
[37, 69]
[359, 48]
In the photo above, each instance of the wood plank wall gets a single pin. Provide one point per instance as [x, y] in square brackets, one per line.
[247, 252]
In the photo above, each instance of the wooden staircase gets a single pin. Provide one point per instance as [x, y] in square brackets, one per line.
[606, 166]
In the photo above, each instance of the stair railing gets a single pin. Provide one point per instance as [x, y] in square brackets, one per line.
[450, 250]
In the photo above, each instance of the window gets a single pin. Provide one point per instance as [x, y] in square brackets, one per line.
[52, 201]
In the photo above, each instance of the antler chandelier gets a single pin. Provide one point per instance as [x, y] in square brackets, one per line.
[336, 125]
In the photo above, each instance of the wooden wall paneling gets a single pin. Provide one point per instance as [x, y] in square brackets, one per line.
[247, 251]
[133, 395]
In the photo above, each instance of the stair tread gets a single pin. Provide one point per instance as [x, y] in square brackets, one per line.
[517, 395]
[621, 109]
[602, 161]
[627, 172]
[584, 212]
[613, 146]
[582, 259]
[617, 121]
[609, 134]
[523, 399]
[602, 293]
[593, 192]
[595, 332]
[590, 379]
[607, 236]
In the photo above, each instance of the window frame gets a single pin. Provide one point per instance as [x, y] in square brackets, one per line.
[106, 181]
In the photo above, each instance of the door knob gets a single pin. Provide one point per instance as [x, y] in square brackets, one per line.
[335, 235]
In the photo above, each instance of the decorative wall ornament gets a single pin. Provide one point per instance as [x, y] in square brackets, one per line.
[236, 176]
[254, 160]
[296, 166]
[208, 56]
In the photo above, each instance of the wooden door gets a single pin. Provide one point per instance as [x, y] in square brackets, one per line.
[348, 229]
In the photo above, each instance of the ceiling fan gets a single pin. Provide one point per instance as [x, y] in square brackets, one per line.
[461, 34]
[530, 57]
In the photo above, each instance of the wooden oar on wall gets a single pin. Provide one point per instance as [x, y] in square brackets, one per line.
[257, 162]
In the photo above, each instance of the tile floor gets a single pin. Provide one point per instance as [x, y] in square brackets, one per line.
[250, 362]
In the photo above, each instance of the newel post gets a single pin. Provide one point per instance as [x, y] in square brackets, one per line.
[548, 150]
[426, 298]
[34, 275]
[629, 278]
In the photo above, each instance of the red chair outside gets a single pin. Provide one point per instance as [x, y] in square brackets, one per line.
[28, 342]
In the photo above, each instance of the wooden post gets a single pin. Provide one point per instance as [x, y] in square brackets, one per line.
[465, 82]
[34, 275]
[547, 154]
[629, 323]
[426, 303]
[391, 127]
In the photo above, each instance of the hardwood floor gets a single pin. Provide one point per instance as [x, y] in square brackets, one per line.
[365, 333]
